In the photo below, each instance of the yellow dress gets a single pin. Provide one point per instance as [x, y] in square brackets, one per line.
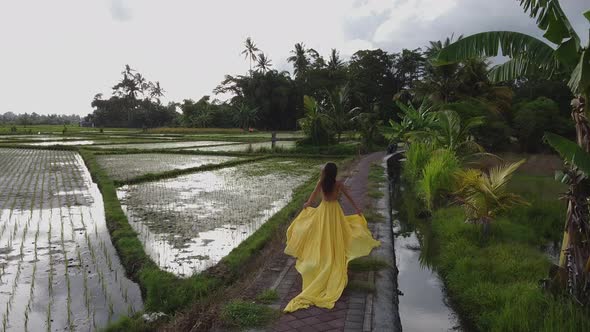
[324, 240]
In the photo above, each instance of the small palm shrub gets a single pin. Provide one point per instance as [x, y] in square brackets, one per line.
[316, 124]
[437, 176]
[417, 156]
[484, 195]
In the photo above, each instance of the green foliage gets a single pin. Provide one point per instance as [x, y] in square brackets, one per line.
[268, 296]
[273, 93]
[130, 324]
[437, 176]
[242, 314]
[533, 118]
[494, 134]
[412, 120]
[368, 123]
[494, 285]
[316, 124]
[485, 194]
[135, 102]
[417, 156]
[570, 152]
[453, 134]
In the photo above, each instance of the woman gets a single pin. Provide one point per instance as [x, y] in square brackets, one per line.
[324, 240]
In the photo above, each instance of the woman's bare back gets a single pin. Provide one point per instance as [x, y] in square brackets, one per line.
[333, 196]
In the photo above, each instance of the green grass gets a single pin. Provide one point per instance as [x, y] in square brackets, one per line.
[368, 263]
[494, 281]
[162, 291]
[268, 296]
[135, 323]
[242, 314]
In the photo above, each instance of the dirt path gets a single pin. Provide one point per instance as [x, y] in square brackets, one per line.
[349, 313]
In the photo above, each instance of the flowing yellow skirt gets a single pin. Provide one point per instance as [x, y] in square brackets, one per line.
[324, 240]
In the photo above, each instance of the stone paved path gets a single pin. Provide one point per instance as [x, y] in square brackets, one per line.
[352, 311]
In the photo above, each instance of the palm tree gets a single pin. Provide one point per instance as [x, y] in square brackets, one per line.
[368, 123]
[299, 59]
[249, 51]
[484, 194]
[335, 63]
[453, 134]
[263, 63]
[532, 55]
[245, 116]
[316, 123]
[156, 91]
[339, 102]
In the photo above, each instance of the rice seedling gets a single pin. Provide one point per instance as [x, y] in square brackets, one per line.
[48, 205]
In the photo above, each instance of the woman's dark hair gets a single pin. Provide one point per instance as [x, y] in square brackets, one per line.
[329, 177]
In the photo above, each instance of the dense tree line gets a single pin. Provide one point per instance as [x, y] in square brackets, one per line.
[359, 93]
[135, 102]
[26, 119]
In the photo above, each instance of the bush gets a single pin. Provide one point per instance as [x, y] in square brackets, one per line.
[437, 176]
[416, 158]
[316, 124]
[494, 284]
[495, 134]
[533, 118]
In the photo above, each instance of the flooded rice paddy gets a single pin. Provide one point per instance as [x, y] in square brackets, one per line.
[191, 222]
[163, 145]
[62, 142]
[58, 268]
[127, 166]
[246, 146]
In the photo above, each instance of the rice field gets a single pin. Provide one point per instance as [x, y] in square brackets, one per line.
[163, 145]
[62, 142]
[191, 222]
[253, 147]
[58, 267]
[127, 166]
[38, 138]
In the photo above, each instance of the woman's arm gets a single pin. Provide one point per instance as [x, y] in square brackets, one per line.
[314, 195]
[347, 195]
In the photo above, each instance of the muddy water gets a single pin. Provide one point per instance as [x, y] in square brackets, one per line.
[191, 222]
[165, 145]
[422, 302]
[247, 146]
[128, 166]
[59, 270]
[64, 142]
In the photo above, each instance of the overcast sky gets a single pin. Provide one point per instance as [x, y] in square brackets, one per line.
[56, 55]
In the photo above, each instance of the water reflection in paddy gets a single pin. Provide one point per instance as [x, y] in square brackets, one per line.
[190, 223]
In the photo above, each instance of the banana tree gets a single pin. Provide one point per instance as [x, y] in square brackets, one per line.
[412, 119]
[575, 257]
[561, 54]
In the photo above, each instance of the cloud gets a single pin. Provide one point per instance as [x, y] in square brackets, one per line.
[190, 45]
[119, 11]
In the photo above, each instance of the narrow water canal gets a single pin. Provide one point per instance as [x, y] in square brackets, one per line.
[423, 304]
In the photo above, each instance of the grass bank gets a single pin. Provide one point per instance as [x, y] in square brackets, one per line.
[163, 291]
[494, 282]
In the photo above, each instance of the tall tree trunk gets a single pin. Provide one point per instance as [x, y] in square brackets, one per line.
[574, 259]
